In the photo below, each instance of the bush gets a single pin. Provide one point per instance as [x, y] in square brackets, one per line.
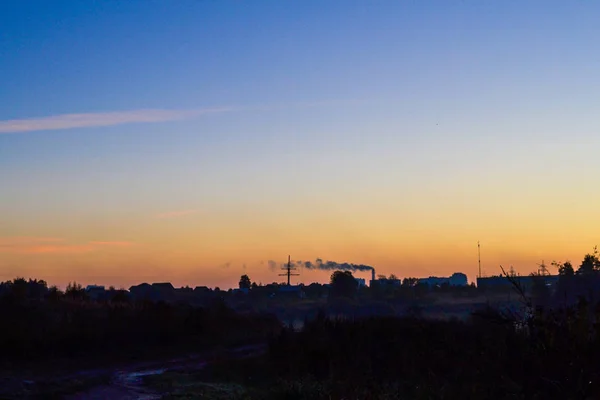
[487, 357]
[72, 326]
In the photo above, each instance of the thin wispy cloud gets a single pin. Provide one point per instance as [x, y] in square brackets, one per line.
[173, 214]
[19, 240]
[109, 243]
[89, 120]
[35, 245]
[57, 249]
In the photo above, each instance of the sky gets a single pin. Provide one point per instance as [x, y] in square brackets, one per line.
[193, 141]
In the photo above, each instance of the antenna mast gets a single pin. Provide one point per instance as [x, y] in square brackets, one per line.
[479, 257]
[542, 270]
[289, 270]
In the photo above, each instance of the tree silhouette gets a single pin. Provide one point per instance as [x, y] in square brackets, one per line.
[54, 294]
[75, 291]
[588, 265]
[19, 288]
[565, 269]
[245, 282]
[343, 284]
[409, 281]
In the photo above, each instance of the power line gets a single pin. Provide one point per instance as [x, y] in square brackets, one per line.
[542, 269]
[289, 270]
[479, 257]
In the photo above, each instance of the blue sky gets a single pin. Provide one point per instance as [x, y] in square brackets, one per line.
[147, 54]
[339, 104]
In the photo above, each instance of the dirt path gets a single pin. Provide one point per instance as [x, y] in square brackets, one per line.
[124, 382]
[128, 384]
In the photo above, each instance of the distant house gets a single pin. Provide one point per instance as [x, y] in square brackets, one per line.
[292, 290]
[89, 288]
[96, 292]
[386, 282]
[164, 286]
[456, 279]
[204, 290]
[154, 292]
[165, 290]
[143, 291]
[525, 282]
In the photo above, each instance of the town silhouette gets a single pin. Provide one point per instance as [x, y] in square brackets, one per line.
[535, 335]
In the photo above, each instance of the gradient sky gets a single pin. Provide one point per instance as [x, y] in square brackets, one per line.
[192, 141]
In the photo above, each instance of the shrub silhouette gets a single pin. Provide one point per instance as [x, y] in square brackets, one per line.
[71, 325]
[556, 357]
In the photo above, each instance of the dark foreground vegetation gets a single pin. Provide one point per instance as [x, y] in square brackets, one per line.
[70, 328]
[546, 348]
[552, 356]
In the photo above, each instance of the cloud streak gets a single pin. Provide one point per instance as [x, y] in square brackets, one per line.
[34, 245]
[20, 240]
[56, 249]
[115, 244]
[89, 120]
[99, 119]
[173, 214]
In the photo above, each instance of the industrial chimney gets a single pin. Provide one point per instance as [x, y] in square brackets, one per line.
[373, 274]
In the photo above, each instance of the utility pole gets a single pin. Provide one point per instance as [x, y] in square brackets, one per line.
[479, 257]
[542, 270]
[289, 270]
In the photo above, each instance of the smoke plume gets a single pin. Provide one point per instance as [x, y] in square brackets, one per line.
[332, 265]
[319, 264]
[273, 265]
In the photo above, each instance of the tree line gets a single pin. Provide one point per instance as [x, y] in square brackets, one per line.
[40, 323]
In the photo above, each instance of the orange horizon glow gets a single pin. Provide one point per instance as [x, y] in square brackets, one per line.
[123, 264]
[396, 135]
[415, 236]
